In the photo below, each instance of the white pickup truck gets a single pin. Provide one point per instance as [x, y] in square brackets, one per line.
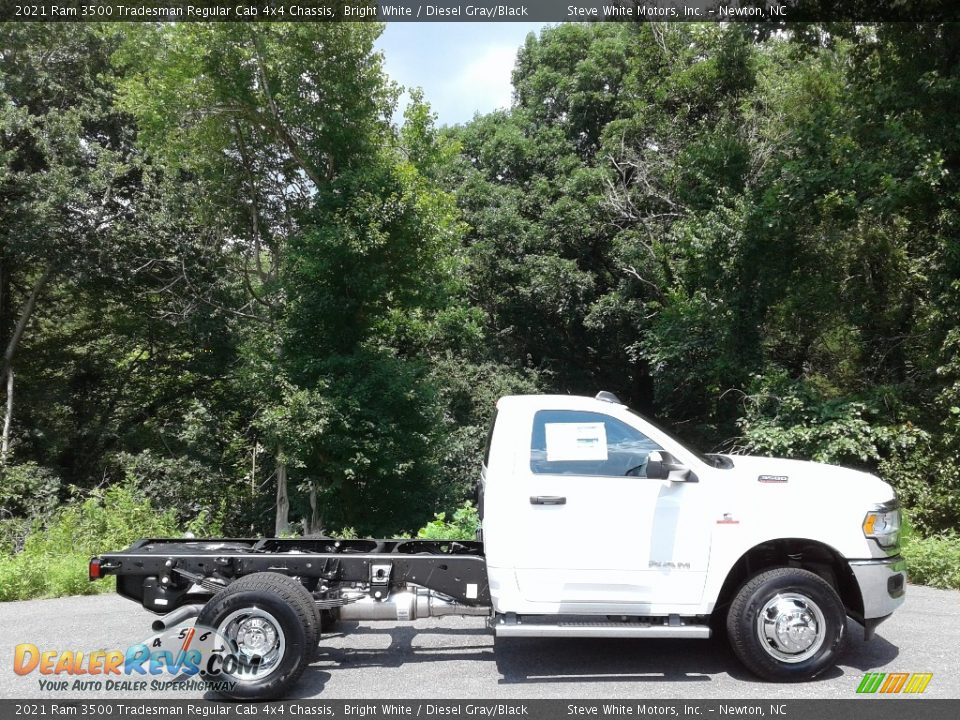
[595, 523]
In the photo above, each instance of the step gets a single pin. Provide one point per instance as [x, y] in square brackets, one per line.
[601, 630]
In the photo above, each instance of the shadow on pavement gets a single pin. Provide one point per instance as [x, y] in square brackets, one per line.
[597, 660]
[401, 651]
[550, 660]
[866, 656]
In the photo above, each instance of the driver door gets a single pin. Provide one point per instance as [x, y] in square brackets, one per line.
[597, 530]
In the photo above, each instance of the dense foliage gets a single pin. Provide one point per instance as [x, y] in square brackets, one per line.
[228, 280]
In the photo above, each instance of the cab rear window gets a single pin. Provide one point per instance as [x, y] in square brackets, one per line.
[486, 450]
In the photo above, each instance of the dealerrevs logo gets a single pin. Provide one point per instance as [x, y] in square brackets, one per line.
[180, 654]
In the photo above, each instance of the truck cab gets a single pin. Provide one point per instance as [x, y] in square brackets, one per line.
[591, 511]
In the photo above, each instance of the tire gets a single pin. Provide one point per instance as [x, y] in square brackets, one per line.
[271, 610]
[786, 624]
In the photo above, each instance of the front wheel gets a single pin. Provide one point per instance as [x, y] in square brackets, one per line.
[786, 624]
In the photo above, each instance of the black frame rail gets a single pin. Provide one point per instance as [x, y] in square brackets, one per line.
[158, 572]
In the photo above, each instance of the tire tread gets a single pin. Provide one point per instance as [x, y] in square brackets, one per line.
[740, 633]
[291, 592]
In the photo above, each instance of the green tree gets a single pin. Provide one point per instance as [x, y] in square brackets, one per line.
[99, 324]
[332, 223]
[64, 179]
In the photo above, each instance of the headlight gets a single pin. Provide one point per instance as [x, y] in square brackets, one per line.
[883, 525]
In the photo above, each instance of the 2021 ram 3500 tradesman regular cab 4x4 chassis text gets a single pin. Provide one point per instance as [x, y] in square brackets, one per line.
[595, 523]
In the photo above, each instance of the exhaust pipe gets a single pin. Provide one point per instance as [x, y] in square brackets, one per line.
[175, 617]
[411, 604]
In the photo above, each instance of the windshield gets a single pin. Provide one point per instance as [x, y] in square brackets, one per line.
[712, 459]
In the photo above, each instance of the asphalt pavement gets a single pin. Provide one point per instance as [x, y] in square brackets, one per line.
[458, 658]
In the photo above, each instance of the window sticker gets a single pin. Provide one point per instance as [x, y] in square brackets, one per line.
[576, 441]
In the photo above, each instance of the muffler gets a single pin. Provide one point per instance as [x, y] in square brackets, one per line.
[409, 604]
[175, 617]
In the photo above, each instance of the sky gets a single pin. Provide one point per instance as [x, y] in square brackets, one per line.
[463, 68]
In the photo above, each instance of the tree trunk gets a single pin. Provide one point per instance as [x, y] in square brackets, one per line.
[25, 314]
[7, 419]
[315, 521]
[6, 374]
[6, 300]
[286, 136]
[253, 472]
[282, 523]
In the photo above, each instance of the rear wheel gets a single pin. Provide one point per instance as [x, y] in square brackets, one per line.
[786, 624]
[268, 626]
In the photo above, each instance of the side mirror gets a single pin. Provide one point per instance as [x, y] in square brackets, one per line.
[655, 468]
[661, 465]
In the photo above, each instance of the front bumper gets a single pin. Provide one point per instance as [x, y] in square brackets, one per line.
[883, 585]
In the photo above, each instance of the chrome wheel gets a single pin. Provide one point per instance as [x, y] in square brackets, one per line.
[791, 627]
[254, 636]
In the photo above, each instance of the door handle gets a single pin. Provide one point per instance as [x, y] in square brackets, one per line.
[547, 500]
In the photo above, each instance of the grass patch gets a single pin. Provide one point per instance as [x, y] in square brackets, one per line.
[53, 561]
[462, 526]
[933, 561]
[25, 577]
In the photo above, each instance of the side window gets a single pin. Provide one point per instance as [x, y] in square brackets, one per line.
[570, 442]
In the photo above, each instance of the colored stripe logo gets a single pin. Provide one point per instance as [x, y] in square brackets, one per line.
[893, 683]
